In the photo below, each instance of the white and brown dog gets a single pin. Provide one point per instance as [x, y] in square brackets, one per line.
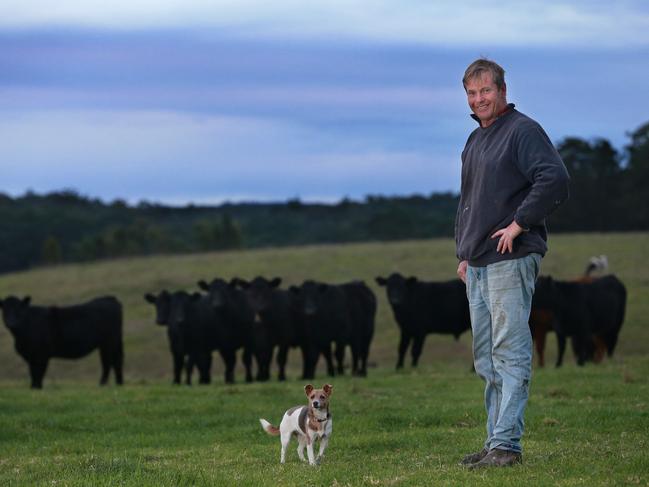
[307, 423]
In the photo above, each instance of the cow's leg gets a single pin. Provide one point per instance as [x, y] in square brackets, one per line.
[365, 352]
[600, 349]
[355, 359]
[326, 351]
[104, 356]
[561, 344]
[417, 346]
[177, 359]
[205, 366]
[540, 331]
[282, 353]
[580, 347]
[340, 357]
[263, 357]
[304, 363]
[404, 343]
[311, 356]
[229, 359]
[37, 372]
[188, 361]
[247, 362]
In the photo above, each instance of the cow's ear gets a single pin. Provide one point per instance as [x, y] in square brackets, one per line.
[203, 285]
[328, 389]
[308, 388]
[276, 282]
[150, 298]
[240, 282]
[27, 300]
[381, 281]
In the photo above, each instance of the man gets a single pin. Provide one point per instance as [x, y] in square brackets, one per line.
[512, 179]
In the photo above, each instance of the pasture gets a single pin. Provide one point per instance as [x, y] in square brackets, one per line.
[584, 425]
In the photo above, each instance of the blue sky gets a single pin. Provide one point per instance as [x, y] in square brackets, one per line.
[207, 102]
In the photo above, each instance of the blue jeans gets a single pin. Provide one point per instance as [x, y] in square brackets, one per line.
[500, 299]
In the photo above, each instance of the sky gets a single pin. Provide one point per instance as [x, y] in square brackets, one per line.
[204, 102]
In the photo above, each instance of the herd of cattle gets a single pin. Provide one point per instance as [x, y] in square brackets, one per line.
[263, 320]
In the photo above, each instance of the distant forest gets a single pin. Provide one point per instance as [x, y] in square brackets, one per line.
[609, 192]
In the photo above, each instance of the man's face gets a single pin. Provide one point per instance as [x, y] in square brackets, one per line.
[485, 99]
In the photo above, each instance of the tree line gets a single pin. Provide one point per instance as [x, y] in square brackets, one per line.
[609, 192]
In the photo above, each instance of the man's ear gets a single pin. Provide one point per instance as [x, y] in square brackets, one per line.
[308, 388]
[328, 389]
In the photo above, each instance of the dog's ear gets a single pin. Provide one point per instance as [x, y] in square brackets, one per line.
[308, 388]
[328, 389]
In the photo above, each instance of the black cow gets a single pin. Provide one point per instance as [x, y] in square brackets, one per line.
[278, 323]
[162, 303]
[590, 313]
[343, 314]
[233, 322]
[194, 318]
[41, 333]
[421, 307]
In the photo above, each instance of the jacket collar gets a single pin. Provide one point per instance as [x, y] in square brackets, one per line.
[505, 111]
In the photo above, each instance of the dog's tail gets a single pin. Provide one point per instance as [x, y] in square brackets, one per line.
[269, 428]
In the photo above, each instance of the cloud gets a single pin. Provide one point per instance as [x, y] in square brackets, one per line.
[522, 23]
[213, 158]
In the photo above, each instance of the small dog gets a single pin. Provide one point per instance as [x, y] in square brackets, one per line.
[307, 423]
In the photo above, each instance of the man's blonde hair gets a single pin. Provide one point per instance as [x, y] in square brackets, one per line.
[484, 65]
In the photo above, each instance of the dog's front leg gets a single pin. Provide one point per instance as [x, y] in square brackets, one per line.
[309, 451]
[324, 441]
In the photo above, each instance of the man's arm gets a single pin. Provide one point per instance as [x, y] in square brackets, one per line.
[541, 164]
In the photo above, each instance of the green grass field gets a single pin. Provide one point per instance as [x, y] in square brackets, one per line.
[584, 426]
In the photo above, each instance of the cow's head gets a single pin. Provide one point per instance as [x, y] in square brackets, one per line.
[397, 287]
[179, 302]
[259, 292]
[14, 311]
[162, 303]
[219, 291]
[311, 293]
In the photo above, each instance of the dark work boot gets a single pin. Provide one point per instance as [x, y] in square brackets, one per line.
[474, 457]
[499, 458]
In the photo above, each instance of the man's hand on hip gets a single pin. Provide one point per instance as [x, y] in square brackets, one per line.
[461, 270]
[507, 236]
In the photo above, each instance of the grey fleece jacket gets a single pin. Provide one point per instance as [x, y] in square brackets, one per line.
[510, 171]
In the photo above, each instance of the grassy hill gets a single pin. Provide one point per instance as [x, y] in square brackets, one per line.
[585, 426]
[146, 352]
